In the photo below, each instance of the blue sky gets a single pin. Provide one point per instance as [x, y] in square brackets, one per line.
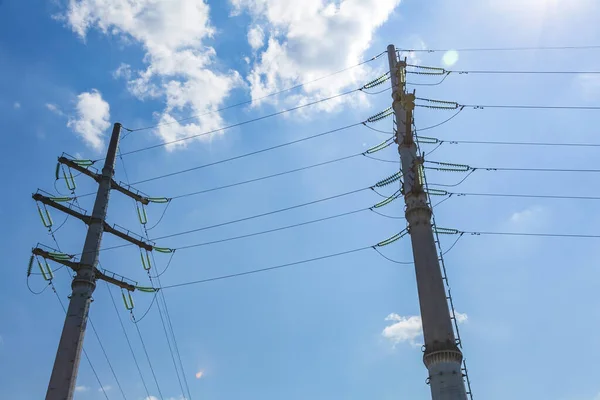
[340, 328]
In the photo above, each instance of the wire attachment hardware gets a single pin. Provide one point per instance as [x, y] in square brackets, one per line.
[45, 269]
[392, 239]
[128, 300]
[388, 200]
[376, 82]
[142, 216]
[389, 180]
[45, 216]
[381, 115]
[145, 260]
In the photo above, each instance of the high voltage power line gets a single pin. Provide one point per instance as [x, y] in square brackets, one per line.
[240, 123]
[442, 166]
[291, 264]
[275, 93]
[439, 193]
[166, 316]
[475, 49]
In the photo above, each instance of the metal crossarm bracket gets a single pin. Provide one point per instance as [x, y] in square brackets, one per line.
[137, 197]
[114, 281]
[113, 184]
[45, 254]
[79, 168]
[75, 266]
[88, 219]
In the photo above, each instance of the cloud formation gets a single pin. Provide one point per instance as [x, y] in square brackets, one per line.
[92, 119]
[180, 67]
[409, 329]
[81, 388]
[309, 39]
[54, 109]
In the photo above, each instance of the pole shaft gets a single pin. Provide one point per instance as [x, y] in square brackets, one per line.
[66, 363]
[442, 356]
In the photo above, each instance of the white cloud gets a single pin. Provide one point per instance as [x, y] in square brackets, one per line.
[256, 37]
[105, 388]
[409, 329]
[180, 67]
[461, 317]
[93, 115]
[16, 105]
[527, 216]
[55, 109]
[309, 39]
[81, 388]
[404, 329]
[151, 398]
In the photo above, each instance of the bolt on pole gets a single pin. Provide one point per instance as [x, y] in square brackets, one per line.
[68, 355]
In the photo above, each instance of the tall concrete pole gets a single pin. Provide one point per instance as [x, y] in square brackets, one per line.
[66, 364]
[442, 357]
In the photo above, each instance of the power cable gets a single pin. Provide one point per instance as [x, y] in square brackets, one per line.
[263, 97]
[535, 196]
[137, 328]
[137, 365]
[451, 105]
[529, 107]
[451, 141]
[267, 176]
[588, 47]
[138, 320]
[394, 261]
[262, 214]
[144, 232]
[444, 121]
[240, 123]
[256, 271]
[82, 348]
[560, 235]
[249, 154]
[107, 359]
[465, 72]
[273, 230]
[174, 339]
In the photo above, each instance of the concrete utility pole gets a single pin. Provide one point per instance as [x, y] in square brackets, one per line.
[442, 357]
[66, 364]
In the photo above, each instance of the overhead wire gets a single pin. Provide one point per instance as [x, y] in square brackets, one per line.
[274, 229]
[133, 319]
[82, 348]
[452, 105]
[137, 365]
[280, 210]
[262, 97]
[252, 153]
[452, 141]
[529, 48]
[291, 264]
[112, 370]
[145, 234]
[137, 328]
[240, 123]
[256, 271]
